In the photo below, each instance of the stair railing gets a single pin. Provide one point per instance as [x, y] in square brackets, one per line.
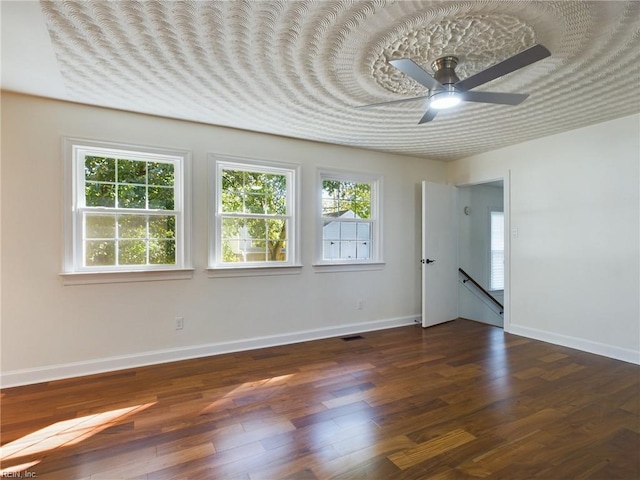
[469, 278]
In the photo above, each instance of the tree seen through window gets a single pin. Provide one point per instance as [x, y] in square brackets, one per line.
[254, 216]
[128, 213]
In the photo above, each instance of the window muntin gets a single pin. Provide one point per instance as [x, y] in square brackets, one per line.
[128, 209]
[496, 267]
[254, 219]
[349, 218]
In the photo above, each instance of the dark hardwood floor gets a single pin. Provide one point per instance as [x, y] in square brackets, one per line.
[456, 401]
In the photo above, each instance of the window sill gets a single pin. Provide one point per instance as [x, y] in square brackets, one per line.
[347, 267]
[253, 271]
[88, 278]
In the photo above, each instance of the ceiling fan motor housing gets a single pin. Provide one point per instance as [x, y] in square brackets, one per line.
[444, 71]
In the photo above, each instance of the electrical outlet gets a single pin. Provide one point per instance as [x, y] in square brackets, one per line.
[179, 323]
[360, 304]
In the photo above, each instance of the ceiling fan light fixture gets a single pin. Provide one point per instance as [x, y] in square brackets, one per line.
[444, 100]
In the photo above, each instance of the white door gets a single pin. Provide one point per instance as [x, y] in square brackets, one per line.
[439, 254]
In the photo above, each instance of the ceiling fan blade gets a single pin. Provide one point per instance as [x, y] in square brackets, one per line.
[413, 70]
[495, 97]
[519, 60]
[391, 102]
[429, 115]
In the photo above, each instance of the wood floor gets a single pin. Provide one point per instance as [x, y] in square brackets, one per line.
[456, 401]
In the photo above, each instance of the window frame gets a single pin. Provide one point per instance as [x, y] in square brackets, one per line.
[217, 268]
[74, 271]
[376, 260]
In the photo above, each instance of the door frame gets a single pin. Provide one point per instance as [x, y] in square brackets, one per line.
[506, 194]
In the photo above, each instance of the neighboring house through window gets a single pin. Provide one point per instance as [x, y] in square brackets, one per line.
[350, 218]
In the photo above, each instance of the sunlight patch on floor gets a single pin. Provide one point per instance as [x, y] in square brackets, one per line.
[66, 433]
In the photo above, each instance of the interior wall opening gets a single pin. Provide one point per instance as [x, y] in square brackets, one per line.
[481, 252]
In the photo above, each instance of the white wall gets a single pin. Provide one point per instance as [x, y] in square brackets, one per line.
[474, 243]
[575, 264]
[50, 330]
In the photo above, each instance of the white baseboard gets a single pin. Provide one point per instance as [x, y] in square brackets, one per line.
[77, 369]
[611, 351]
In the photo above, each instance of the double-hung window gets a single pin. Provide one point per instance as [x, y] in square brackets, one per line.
[254, 219]
[349, 218]
[127, 208]
[496, 267]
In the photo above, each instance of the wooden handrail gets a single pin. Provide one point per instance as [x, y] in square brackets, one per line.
[480, 287]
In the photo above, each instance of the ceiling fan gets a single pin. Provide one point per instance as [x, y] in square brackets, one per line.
[446, 90]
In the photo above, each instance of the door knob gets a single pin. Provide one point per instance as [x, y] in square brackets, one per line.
[428, 261]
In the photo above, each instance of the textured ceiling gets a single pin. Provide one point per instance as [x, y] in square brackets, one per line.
[298, 68]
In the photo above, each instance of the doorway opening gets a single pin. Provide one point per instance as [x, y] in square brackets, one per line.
[482, 252]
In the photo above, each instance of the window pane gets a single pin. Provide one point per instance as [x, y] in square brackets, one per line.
[276, 204]
[364, 231]
[330, 207]
[100, 253]
[254, 240]
[277, 229]
[232, 191]
[100, 226]
[132, 171]
[161, 174]
[233, 240]
[330, 250]
[277, 235]
[231, 251]
[132, 196]
[277, 251]
[162, 252]
[346, 206]
[162, 227]
[231, 202]
[347, 231]
[132, 226]
[363, 193]
[346, 198]
[252, 182]
[232, 227]
[275, 193]
[253, 192]
[330, 197]
[362, 250]
[256, 229]
[497, 270]
[348, 250]
[254, 203]
[497, 231]
[362, 200]
[347, 247]
[497, 251]
[161, 198]
[132, 252]
[99, 169]
[331, 230]
[100, 194]
[256, 255]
